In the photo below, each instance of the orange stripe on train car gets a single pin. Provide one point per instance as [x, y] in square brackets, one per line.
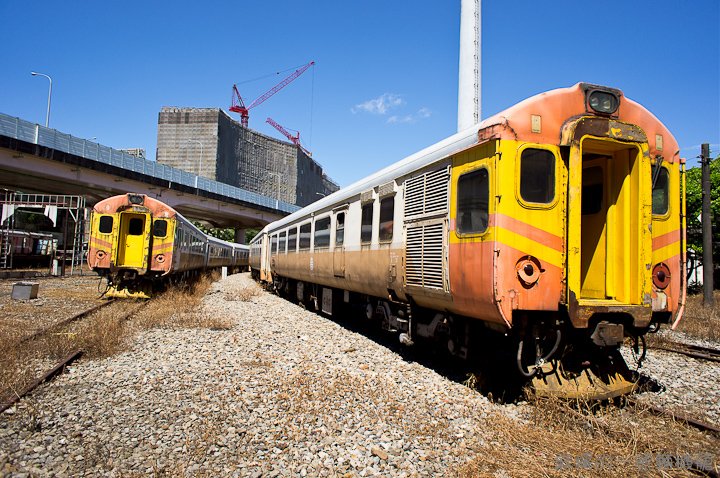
[665, 239]
[100, 242]
[531, 232]
[162, 245]
[524, 229]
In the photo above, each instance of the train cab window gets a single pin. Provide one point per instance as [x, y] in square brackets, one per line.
[106, 224]
[160, 228]
[339, 229]
[322, 232]
[305, 236]
[292, 240]
[537, 176]
[366, 223]
[136, 226]
[473, 192]
[282, 242]
[660, 191]
[387, 216]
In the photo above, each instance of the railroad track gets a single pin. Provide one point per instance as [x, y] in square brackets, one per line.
[64, 322]
[678, 416]
[694, 351]
[10, 399]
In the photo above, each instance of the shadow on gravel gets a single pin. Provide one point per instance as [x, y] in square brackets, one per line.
[489, 373]
[648, 384]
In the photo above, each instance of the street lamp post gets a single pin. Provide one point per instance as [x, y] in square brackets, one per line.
[199, 161]
[47, 116]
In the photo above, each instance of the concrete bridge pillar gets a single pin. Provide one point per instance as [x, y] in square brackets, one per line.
[240, 235]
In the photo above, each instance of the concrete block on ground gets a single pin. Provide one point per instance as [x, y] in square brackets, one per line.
[25, 290]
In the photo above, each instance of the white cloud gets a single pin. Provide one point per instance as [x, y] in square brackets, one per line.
[422, 113]
[380, 105]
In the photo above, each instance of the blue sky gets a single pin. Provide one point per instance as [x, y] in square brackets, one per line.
[385, 82]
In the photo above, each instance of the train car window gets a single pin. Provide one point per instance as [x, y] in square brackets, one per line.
[106, 224]
[160, 228]
[135, 228]
[537, 176]
[305, 236]
[366, 223]
[387, 216]
[473, 193]
[273, 244]
[282, 242]
[660, 192]
[292, 240]
[322, 232]
[339, 229]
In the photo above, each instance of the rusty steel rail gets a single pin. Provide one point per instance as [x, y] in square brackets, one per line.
[14, 397]
[694, 351]
[47, 376]
[65, 322]
[681, 417]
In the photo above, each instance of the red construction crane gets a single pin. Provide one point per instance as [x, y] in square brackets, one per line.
[238, 105]
[295, 139]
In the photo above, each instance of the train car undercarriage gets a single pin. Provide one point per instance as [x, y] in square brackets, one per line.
[542, 351]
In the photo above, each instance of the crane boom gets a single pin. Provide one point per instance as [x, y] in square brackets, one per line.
[238, 105]
[294, 139]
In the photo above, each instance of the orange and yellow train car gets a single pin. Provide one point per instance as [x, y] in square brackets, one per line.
[558, 222]
[136, 241]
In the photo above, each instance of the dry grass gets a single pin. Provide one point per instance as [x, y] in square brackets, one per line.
[701, 321]
[570, 439]
[106, 332]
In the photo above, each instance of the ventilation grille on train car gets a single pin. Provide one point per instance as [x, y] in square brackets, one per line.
[427, 194]
[425, 255]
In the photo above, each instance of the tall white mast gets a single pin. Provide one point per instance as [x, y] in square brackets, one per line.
[469, 85]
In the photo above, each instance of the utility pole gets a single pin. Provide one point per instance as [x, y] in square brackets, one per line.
[469, 71]
[708, 268]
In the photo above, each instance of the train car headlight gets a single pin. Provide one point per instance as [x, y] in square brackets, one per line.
[661, 276]
[160, 258]
[603, 102]
[136, 198]
[100, 254]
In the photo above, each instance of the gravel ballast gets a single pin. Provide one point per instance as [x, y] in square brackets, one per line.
[284, 392]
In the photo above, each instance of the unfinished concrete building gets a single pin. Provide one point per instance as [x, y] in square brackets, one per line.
[207, 142]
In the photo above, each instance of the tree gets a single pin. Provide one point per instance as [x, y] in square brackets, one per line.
[693, 196]
[227, 234]
[224, 234]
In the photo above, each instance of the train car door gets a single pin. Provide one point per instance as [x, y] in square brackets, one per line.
[610, 233]
[265, 274]
[134, 240]
[339, 248]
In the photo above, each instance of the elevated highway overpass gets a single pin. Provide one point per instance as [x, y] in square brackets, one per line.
[38, 159]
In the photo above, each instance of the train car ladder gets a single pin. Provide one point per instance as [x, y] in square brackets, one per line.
[80, 236]
[6, 245]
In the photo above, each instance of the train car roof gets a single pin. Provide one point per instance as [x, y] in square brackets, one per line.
[554, 107]
[156, 207]
[122, 202]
